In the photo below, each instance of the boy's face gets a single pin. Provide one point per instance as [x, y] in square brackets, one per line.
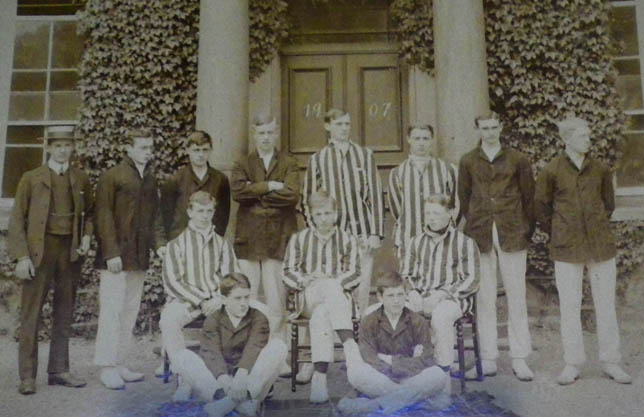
[339, 128]
[579, 140]
[420, 142]
[60, 150]
[199, 154]
[437, 217]
[237, 302]
[265, 136]
[140, 150]
[393, 300]
[489, 130]
[324, 217]
[201, 214]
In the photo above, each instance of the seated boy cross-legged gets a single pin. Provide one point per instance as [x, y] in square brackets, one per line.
[398, 368]
[239, 362]
[321, 262]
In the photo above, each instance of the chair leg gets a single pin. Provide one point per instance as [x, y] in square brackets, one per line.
[356, 330]
[461, 354]
[294, 344]
[477, 350]
[166, 368]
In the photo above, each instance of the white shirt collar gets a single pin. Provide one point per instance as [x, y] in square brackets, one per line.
[342, 146]
[266, 158]
[234, 320]
[206, 233]
[491, 152]
[577, 159]
[57, 167]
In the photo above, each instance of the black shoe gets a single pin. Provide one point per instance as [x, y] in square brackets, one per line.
[27, 387]
[66, 379]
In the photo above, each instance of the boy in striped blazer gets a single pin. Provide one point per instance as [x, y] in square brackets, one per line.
[348, 172]
[321, 263]
[442, 266]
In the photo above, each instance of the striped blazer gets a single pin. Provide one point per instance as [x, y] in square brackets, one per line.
[408, 188]
[193, 265]
[337, 256]
[351, 178]
[448, 262]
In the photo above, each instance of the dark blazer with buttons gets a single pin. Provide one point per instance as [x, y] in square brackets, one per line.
[574, 205]
[265, 220]
[501, 192]
[28, 222]
[126, 212]
[225, 348]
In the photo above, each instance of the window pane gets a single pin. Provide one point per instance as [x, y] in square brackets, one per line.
[628, 66]
[64, 106]
[630, 167]
[24, 106]
[63, 80]
[629, 88]
[635, 122]
[31, 45]
[68, 46]
[623, 28]
[29, 81]
[25, 134]
[17, 161]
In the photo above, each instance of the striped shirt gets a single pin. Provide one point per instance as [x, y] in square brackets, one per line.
[309, 253]
[448, 262]
[351, 178]
[194, 263]
[408, 188]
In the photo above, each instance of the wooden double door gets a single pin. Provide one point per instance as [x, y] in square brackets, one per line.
[370, 85]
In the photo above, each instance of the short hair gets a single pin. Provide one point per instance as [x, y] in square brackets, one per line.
[333, 114]
[442, 199]
[231, 281]
[420, 126]
[263, 119]
[137, 133]
[320, 198]
[201, 197]
[389, 279]
[568, 126]
[199, 138]
[486, 116]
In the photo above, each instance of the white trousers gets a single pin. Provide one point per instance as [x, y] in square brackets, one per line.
[269, 273]
[569, 278]
[431, 381]
[265, 371]
[366, 269]
[119, 300]
[513, 269]
[443, 315]
[329, 310]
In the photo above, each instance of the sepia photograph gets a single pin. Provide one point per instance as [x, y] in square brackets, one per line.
[321, 208]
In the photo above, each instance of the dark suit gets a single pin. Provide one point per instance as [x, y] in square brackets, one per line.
[55, 260]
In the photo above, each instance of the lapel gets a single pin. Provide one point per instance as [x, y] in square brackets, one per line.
[273, 163]
[76, 196]
[44, 175]
[227, 324]
[385, 324]
[256, 166]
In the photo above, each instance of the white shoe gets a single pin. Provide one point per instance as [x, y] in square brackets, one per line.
[182, 393]
[521, 370]
[129, 376]
[247, 408]
[305, 374]
[111, 379]
[319, 392]
[568, 375]
[615, 372]
[285, 370]
[489, 369]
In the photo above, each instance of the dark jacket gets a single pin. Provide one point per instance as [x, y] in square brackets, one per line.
[377, 336]
[265, 220]
[126, 211]
[175, 195]
[575, 206]
[28, 222]
[498, 192]
[225, 348]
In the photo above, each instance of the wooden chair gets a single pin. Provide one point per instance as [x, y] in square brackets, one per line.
[296, 322]
[467, 319]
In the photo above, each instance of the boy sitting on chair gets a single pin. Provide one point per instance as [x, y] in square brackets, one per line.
[398, 368]
[442, 265]
[321, 263]
[239, 363]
